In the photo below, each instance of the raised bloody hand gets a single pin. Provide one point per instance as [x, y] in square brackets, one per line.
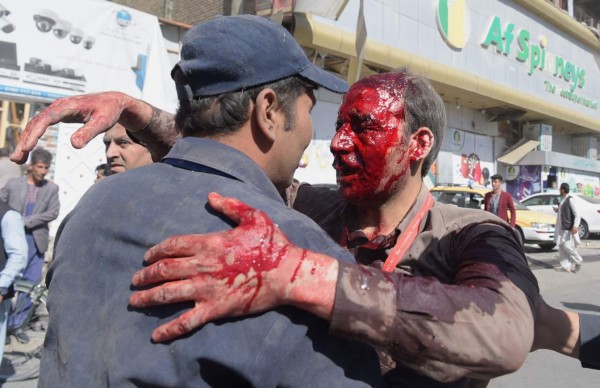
[98, 112]
[245, 270]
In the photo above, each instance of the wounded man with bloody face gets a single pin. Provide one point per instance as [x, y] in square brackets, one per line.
[444, 293]
[448, 294]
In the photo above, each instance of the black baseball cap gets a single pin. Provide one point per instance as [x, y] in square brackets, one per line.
[231, 53]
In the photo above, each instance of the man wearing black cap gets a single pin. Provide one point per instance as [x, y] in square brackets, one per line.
[246, 91]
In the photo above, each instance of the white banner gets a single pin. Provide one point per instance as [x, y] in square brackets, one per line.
[50, 49]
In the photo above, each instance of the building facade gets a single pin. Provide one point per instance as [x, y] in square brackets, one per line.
[517, 76]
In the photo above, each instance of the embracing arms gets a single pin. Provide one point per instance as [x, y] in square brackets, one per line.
[446, 331]
[253, 266]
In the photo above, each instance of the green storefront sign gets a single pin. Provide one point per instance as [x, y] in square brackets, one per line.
[509, 40]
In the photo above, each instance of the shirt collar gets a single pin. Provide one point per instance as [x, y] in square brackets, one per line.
[356, 238]
[223, 158]
[416, 206]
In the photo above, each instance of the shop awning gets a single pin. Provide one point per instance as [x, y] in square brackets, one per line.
[513, 156]
[311, 32]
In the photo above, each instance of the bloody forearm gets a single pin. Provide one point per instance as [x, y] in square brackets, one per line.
[158, 134]
[312, 283]
[444, 331]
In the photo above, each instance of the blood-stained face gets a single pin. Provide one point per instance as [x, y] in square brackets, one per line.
[370, 147]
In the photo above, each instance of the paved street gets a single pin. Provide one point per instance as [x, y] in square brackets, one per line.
[577, 292]
[543, 369]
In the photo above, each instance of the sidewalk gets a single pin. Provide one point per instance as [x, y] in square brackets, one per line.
[578, 292]
[21, 363]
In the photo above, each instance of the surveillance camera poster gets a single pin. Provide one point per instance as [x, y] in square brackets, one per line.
[50, 49]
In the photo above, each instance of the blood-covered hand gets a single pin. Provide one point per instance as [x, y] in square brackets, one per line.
[245, 270]
[99, 112]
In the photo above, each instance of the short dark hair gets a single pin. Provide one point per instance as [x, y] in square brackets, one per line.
[40, 155]
[226, 113]
[423, 107]
[497, 176]
[103, 168]
[565, 187]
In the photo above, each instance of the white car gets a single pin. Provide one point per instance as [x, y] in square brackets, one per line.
[587, 207]
[533, 227]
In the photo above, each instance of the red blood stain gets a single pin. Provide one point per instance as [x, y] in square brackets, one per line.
[295, 274]
[256, 249]
[370, 145]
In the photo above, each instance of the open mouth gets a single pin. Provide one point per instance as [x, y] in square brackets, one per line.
[346, 164]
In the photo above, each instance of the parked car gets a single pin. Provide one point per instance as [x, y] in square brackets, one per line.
[534, 227]
[588, 208]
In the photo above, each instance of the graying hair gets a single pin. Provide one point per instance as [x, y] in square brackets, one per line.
[423, 107]
[40, 155]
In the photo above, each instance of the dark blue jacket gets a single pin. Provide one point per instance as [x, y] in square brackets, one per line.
[94, 339]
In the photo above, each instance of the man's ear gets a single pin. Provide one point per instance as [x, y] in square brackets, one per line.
[421, 143]
[267, 113]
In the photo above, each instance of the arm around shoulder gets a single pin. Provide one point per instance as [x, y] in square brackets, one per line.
[158, 135]
[462, 333]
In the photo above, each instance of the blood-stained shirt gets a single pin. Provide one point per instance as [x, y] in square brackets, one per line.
[459, 304]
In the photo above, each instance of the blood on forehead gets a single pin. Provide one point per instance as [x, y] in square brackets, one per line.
[395, 83]
[391, 89]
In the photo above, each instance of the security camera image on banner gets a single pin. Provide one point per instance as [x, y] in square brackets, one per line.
[65, 47]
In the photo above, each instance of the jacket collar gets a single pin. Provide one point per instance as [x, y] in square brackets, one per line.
[221, 157]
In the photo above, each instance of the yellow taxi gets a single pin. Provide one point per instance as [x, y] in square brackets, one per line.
[534, 227]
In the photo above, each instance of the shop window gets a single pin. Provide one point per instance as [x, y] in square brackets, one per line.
[14, 116]
[538, 201]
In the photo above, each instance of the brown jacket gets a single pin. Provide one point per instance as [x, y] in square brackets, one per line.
[459, 304]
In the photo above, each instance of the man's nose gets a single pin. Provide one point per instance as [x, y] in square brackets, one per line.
[111, 151]
[342, 140]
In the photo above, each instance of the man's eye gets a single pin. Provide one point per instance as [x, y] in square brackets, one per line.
[361, 126]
